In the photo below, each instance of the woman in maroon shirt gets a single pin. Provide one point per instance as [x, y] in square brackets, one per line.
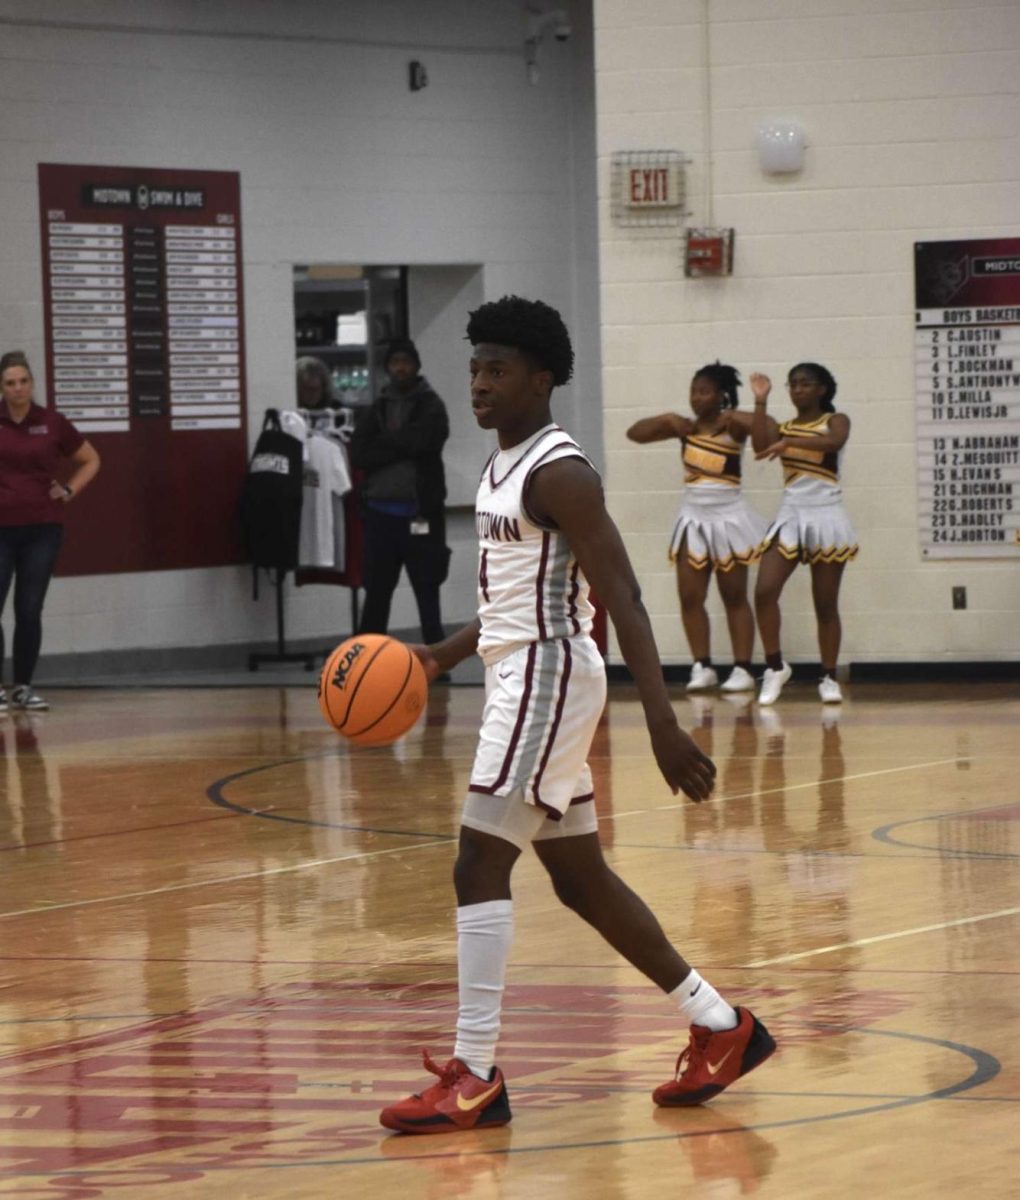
[36, 444]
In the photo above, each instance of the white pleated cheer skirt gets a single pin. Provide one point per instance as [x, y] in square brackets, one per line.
[716, 527]
[810, 533]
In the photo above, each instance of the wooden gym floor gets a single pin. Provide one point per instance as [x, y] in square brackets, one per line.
[224, 937]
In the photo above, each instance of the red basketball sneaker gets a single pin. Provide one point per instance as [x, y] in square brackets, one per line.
[712, 1061]
[459, 1100]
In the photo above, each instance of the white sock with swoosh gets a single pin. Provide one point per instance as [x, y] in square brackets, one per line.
[701, 1004]
[485, 933]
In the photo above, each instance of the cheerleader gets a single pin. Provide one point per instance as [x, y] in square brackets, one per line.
[716, 530]
[811, 526]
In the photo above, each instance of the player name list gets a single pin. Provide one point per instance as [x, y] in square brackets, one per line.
[968, 430]
[145, 321]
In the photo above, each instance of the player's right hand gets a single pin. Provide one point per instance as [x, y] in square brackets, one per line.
[683, 765]
[428, 660]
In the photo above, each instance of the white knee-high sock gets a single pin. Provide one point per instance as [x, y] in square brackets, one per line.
[701, 1004]
[485, 933]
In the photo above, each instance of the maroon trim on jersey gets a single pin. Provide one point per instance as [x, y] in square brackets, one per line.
[554, 814]
[489, 789]
[492, 461]
[488, 464]
[575, 588]
[483, 575]
[540, 585]
[560, 702]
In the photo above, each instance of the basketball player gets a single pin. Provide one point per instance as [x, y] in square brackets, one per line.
[811, 526]
[716, 530]
[544, 532]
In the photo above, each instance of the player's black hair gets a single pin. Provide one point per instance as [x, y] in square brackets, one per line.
[821, 375]
[530, 326]
[726, 379]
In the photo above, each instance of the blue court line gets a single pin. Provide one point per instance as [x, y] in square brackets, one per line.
[216, 789]
[986, 1067]
[753, 1093]
[215, 793]
[884, 834]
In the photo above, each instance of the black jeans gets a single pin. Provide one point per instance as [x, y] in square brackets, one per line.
[27, 555]
[389, 546]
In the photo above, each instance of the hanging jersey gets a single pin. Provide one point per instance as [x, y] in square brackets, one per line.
[530, 587]
[810, 474]
[326, 479]
[271, 499]
[711, 460]
[292, 422]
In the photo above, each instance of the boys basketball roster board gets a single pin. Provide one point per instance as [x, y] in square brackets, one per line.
[967, 373]
[144, 321]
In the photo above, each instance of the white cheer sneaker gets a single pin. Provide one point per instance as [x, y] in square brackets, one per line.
[701, 678]
[738, 680]
[772, 683]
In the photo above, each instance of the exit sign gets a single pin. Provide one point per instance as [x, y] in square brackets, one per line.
[647, 188]
[654, 187]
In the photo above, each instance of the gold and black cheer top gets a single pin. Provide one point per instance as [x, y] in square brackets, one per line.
[711, 458]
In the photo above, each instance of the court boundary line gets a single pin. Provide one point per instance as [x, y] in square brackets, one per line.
[214, 792]
[792, 787]
[435, 840]
[451, 964]
[882, 937]
[198, 883]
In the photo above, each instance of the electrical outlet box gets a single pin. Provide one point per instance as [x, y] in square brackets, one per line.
[959, 597]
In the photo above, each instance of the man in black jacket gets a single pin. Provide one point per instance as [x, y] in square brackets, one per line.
[398, 443]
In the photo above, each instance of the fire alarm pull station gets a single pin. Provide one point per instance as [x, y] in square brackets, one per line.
[708, 252]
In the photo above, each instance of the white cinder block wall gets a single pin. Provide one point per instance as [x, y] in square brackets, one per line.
[912, 115]
[339, 162]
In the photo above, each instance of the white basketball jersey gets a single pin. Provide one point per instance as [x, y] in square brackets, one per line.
[530, 587]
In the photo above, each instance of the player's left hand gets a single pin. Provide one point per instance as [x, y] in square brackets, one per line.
[683, 764]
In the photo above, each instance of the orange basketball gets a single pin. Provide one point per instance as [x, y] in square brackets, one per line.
[372, 689]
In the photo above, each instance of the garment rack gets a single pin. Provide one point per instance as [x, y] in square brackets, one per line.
[340, 422]
[281, 655]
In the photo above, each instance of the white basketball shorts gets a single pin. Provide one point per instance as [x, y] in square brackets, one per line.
[542, 704]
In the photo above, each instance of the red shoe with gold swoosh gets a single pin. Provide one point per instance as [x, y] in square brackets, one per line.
[714, 1060]
[459, 1100]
